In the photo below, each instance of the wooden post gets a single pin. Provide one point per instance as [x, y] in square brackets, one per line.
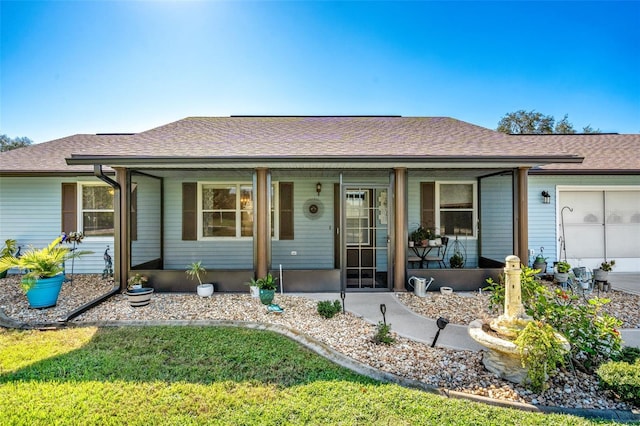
[400, 229]
[263, 224]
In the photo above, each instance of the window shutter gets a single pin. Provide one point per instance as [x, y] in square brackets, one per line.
[286, 210]
[428, 205]
[189, 211]
[69, 208]
[133, 217]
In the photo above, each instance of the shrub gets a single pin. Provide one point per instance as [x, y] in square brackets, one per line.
[622, 378]
[383, 334]
[531, 288]
[593, 334]
[541, 353]
[328, 309]
[628, 354]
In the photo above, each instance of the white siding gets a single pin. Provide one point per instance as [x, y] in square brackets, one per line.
[232, 254]
[147, 245]
[544, 222]
[496, 217]
[314, 238]
[30, 212]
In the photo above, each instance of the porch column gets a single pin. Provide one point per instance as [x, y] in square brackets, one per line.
[521, 214]
[263, 224]
[121, 243]
[400, 229]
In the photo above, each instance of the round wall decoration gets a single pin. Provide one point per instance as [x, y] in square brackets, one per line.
[313, 208]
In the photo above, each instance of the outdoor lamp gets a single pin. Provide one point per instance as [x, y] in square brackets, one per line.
[318, 188]
[441, 323]
[342, 296]
[383, 309]
[546, 198]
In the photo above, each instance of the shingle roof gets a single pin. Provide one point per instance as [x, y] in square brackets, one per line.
[601, 152]
[309, 138]
[49, 157]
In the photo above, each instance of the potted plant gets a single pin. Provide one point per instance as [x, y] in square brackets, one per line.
[136, 293]
[137, 281]
[420, 236]
[603, 273]
[9, 249]
[193, 271]
[457, 260]
[44, 271]
[562, 272]
[267, 288]
[540, 263]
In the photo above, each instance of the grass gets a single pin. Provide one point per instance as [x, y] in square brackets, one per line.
[207, 375]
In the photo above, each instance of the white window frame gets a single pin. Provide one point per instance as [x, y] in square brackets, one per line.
[473, 209]
[238, 211]
[81, 210]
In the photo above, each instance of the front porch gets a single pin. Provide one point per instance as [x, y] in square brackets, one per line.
[320, 226]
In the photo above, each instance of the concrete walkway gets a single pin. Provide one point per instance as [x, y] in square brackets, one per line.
[416, 327]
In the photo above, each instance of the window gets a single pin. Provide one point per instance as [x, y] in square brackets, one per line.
[96, 210]
[226, 210]
[357, 212]
[456, 208]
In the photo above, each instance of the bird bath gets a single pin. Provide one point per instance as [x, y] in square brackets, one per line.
[502, 356]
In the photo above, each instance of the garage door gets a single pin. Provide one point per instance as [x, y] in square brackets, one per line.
[597, 224]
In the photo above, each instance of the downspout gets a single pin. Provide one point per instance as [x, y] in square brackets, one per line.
[97, 171]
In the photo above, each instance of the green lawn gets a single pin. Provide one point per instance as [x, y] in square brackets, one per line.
[207, 375]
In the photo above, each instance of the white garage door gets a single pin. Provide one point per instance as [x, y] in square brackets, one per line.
[600, 224]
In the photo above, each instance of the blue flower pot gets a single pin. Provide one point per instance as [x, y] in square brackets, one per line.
[266, 296]
[44, 293]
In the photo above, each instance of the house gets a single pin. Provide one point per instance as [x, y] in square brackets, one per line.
[329, 202]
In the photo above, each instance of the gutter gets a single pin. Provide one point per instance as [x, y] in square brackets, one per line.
[116, 287]
[166, 160]
[97, 172]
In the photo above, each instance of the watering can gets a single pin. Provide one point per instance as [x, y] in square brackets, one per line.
[420, 285]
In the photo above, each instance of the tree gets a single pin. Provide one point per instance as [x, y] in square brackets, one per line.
[7, 143]
[563, 126]
[523, 122]
[532, 122]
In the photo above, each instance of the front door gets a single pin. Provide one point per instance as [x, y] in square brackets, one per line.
[365, 238]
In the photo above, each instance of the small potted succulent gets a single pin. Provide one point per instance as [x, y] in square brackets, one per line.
[193, 271]
[136, 293]
[137, 281]
[602, 274]
[562, 272]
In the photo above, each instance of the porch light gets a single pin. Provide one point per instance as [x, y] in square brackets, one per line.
[318, 188]
[546, 198]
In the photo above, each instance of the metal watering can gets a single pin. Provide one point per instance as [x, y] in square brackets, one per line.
[420, 285]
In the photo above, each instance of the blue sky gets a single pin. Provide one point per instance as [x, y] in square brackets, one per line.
[125, 66]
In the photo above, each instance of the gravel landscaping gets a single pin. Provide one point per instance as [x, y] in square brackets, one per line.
[454, 370]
